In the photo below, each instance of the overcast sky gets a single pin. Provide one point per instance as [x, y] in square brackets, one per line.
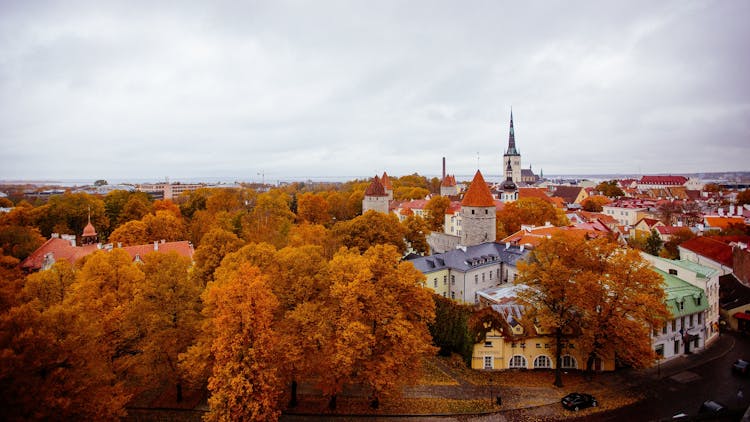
[326, 88]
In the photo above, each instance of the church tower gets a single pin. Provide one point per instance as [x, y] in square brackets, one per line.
[89, 236]
[510, 190]
[478, 213]
[512, 156]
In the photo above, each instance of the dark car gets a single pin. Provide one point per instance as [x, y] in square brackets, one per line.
[741, 366]
[710, 406]
[575, 401]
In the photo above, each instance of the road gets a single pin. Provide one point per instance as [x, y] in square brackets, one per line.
[685, 391]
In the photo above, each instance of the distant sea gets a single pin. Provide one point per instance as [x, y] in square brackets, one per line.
[275, 180]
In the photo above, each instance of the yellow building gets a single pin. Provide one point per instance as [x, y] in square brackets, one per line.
[520, 344]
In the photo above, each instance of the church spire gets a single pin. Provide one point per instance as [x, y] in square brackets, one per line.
[511, 138]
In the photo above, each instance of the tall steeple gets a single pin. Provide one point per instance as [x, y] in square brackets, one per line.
[511, 138]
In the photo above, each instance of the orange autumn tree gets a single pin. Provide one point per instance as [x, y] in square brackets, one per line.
[375, 323]
[238, 347]
[168, 308]
[554, 280]
[215, 245]
[313, 208]
[622, 305]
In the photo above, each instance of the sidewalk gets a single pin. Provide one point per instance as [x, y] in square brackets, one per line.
[717, 349]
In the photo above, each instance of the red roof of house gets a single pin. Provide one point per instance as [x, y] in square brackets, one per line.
[478, 194]
[376, 188]
[722, 222]
[183, 248]
[568, 193]
[534, 193]
[668, 230]
[448, 181]
[710, 247]
[386, 181]
[663, 180]
[60, 249]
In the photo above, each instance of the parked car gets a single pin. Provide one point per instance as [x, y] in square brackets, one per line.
[710, 406]
[576, 401]
[741, 366]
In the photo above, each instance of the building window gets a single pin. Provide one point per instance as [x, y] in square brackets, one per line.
[569, 362]
[445, 280]
[453, 280]
[472, 212]
[681, 305]
[659, 350]
[538, 346]
[490, 275]
[435, 282]
[487, 344]
[542, 362]
[444, 294]
[546, 345]
[674, 325]
[488, 362]
[513, 345]
[476, 278]
[691, 320]
[482, 277]
[453, 295]
[700, 318]
[517, 361]
[672, 271]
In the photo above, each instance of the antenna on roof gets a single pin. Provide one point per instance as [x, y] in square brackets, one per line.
[477, 160]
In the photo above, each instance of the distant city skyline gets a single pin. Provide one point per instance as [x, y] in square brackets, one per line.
[328, 89]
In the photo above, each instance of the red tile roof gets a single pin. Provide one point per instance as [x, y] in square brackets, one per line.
[60, 249]
[663, 180]
[534, 193]
[710, 247]
[478, 194]
[668, 230]
[183, 248]
[448, 181]
[376, 188]
[722, 222]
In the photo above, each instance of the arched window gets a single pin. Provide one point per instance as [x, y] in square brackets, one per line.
[517, 361]
[569, 362]
[542, 361]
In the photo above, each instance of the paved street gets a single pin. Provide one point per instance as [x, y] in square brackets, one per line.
[682, 388]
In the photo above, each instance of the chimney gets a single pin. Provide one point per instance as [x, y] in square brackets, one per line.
[156, 245]
[443, 168]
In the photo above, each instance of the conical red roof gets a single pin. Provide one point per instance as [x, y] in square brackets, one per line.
[386, 181]
[376, 188]
[478, 194]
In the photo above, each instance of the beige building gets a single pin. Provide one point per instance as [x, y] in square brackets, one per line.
[376, 197]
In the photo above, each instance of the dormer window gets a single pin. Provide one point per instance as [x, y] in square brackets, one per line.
[681, 304]
[672, 271]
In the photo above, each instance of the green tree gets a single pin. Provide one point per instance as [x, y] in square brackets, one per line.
[653, 243]
[450, 330]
